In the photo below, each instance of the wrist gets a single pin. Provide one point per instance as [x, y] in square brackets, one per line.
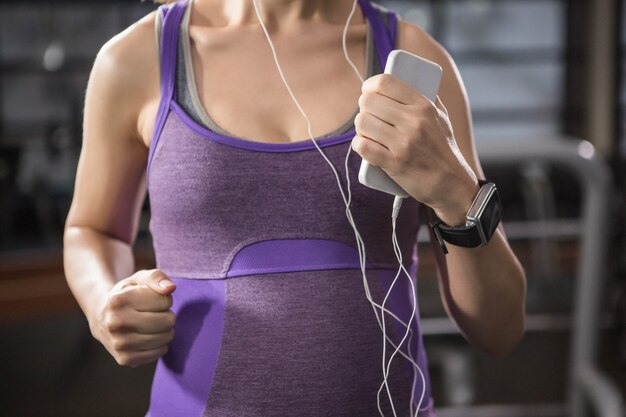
[454, 212]
[94, 312]
[482, 219]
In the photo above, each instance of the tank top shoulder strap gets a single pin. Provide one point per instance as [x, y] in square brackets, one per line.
[171, 16]
[384, 32]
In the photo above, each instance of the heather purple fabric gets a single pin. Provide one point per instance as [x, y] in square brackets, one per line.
[272, 319]
[209, 200]
[304, 344]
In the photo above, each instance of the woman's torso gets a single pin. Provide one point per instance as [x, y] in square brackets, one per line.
[271, 308]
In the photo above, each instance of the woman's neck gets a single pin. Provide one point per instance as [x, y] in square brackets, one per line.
[278, 15]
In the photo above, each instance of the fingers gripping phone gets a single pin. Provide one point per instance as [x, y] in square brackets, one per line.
[422, 75]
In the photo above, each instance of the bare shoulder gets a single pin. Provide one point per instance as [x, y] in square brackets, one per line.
[416, 40]
[126, 71]
[130, 55]
[110, 183]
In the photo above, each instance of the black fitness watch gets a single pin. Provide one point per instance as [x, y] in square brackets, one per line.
[481, 221]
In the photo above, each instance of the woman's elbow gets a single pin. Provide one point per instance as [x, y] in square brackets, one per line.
[507, 341]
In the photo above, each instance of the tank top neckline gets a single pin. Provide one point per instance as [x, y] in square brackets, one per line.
[384, 37]
[188, 96]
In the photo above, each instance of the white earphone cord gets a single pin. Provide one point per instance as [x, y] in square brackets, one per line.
[360, 244]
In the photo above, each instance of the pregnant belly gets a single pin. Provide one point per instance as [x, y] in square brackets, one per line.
[298, 343]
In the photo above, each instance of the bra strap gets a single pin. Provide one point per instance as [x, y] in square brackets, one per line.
[392, 27]
[171, 16]
[384, 36]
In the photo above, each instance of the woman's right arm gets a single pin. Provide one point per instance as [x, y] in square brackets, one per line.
[128, 312]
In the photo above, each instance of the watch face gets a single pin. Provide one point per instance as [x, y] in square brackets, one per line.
[480, 202]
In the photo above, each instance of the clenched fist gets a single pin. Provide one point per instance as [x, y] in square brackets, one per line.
[134, 322]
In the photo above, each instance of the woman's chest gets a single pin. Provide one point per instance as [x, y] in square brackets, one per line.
[241, 89]
[208, 199]
[205, 191]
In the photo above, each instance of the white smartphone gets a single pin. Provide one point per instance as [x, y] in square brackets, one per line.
[422, 75]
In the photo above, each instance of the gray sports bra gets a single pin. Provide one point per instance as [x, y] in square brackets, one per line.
[187, 92]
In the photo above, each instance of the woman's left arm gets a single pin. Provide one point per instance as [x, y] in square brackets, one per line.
[428, 149]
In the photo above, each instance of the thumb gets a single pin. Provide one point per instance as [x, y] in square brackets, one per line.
[156, 280]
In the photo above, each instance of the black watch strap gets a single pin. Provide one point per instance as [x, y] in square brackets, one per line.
[471, 235]
[466, 236]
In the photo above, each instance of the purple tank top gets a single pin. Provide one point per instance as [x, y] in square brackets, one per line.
[272, 318]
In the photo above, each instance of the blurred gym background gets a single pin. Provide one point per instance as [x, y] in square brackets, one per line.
[548, 92]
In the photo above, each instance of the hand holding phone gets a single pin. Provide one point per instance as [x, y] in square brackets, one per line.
[422, 75]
